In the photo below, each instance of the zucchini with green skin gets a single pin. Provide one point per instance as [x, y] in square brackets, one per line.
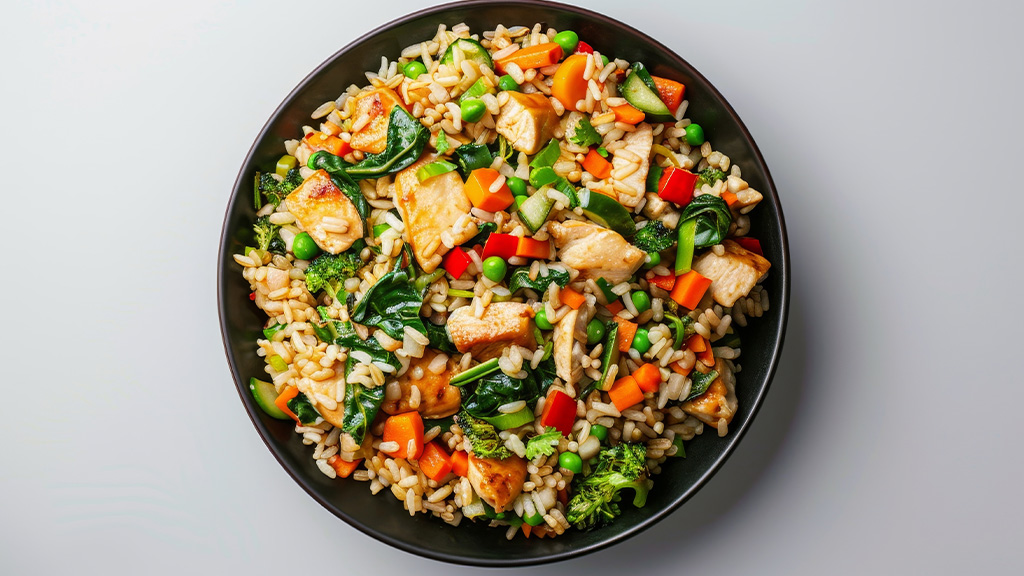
[607, 212]
[535, 209]
[471, 49]
[264, 394]
[639, 90]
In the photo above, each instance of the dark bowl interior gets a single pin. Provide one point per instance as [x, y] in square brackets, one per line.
[382, 517]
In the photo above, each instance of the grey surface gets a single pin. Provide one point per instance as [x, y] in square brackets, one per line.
[888, 443]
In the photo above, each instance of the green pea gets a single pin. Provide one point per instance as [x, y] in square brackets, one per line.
[642, 301]
[653, 260]
[595, 331]
[304, 247]
[571, 461]
[516, 185]
[542, 320]
[568, 40]
[520, 200]
[495, 268]
[508, 84]
[604, 59]
[414, 69]
[641, 341]
[694, 135]
[599, 432]
[472, 110]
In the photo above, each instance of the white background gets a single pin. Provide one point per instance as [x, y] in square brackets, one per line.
[890, 441]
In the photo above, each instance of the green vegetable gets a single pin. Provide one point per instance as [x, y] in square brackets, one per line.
[680, 451]
[641, 300]
[269, 332]
[516, 185]
[694, 135]
[460, 293]
[604, 60]
[484, 231]
[542, 176]
[532, 517]
[709, 176]
[441, 144]
[406, 139]
[652, 260]
[600, 432]
[436, 168]
[268, 236]
[607, 212]
[278, 363]
[495, 268]
[503, 421]
[273, 189]
[483, 438]
[303, 408]
[610, 355]
[684, 250]
[521, 279]
[471, 49]
[543, 444]
[568, 40]
[472, 110]
[713, 218]
[595, 331]
[414, 69]
[361, 406]
[700, 382]
[654, 237]
[505, 150]
[520, 200]
[571, 461]
[682, 327]
[264, 394]
[305, 247]
[535, 209]
[380, 229]
[472, 156]
[478, 89]
[542, 320]
[596, 495]
[602, 151]
[639, 90]
[439, 338]
[286, 164]
[547, 156]
[492, 513]
[641, 341]
[328, 271]
[606, 289]
[565, 187]
[391, 304]
[585, 135]
[508, 84]
[653, 177]
[475, 373]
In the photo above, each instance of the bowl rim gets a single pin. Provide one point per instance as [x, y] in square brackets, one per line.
[735, 436]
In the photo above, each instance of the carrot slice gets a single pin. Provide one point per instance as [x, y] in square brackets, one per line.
[689, 289]
[530, 248]
[707, 357]
[648, 377]
[460, 463]
[627, 330]
[729, 198]
[478, 189]
[671, 92]
[435, 462]
[678, 368]
[695, 343]
[537, 56]
[615, 307]
[281, 402]
[526, 529]
[327, 142]
[628, 114]
[403, 428]
[572, 298]
[343, 468]
[625, 393]
[597, 165]
[568, 84]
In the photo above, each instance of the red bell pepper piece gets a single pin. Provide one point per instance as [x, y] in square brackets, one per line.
[676, 185]
[584, 48]
[501, 245]
[664, 282]
[456, 262]
[559, 412]
[752, 244]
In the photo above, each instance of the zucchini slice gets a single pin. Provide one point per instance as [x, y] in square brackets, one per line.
[535, 209]
[639, 90]
[471, 49]
[264, 393]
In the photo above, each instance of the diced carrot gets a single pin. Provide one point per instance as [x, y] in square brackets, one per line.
[435, 462]
[689, 289]
[707, 357]
[530, 248]
[331, 128]
[479, 193]
[729, 198]
[625, 393]
[572, 298]
[526, 529]
[628, 114]
[671, 92]
[615, 307]
[460, 463]
[627, 330]
[403, 428]
[343, 468]
[648, 377]
[568, 84]
[695, 344]
[597, 165]
[678, 368]
[664, 282]
[537, 56]
[281, 402]
[327, 142]
[563, 496]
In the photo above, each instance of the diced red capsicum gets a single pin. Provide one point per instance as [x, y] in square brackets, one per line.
[456, 262]
[501, 245]
[584, 48]
[752, 244]
[559, 412]
[664, 282]
[676, 185]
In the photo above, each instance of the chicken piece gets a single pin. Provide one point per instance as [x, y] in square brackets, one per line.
[275, 279]
[325, 213]
[638, 143]
[327, 387]
[572, 327]
[437, 398]
[503, 324]
[595, 251]
[377, 105]
[498, 482]
[428, 209]
[733, 274]
[527, 121]
[719, 402]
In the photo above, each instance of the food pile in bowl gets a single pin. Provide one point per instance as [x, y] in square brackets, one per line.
[503, 280]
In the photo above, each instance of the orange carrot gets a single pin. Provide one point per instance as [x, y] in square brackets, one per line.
[625, 393]
[615, 307]
[648, 377]
[689, 289]
[435, 462]
[671, 92]
[568, 84]
[343, 468]
[281, 402]
[597, 165]
[729, 198]
[627, 330]
[628, 114]
[707, 357]
[403, 428]
[460, 463]
[678, 368]
[572, 298]
[526, 530]
[695, 343]
[666, 283]
[530, 248]
[321, 141]
[478, 189]
[537, 56]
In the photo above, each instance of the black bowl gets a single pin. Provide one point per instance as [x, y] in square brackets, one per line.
[382, 516]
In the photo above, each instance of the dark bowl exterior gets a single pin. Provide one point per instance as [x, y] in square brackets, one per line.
[383, 517]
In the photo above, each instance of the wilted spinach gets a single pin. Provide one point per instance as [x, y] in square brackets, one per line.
[469, 157]
[713, 219]
[361, 406]
[700, 383]
[486, 394]
[485, 230]
[391, 304]
[520, 278]
[303, 409]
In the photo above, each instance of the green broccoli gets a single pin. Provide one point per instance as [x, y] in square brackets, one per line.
[267, 236]
[709, 176]
[596, 495]
[543, 444]
[654, 237]
[483, 437]
[275, 190]
[328, 271]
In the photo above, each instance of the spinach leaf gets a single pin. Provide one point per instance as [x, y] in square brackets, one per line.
[713, 219]
[469, 157]
[391, 304]
[547, 156]
[496, 389]
[406, 139]
[700, 383]
[361, 406]
[302, 408]
[439, 339]
[520, 278]
[344, 335]
[585, 135]
[485, 230]
[545, 374]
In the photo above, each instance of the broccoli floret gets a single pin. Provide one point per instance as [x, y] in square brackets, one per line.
[275, 190]
[483, 437]
[267, 236]
[709, 176]
[596, 497]
[328, 271]
[654, 237]
[543, 444]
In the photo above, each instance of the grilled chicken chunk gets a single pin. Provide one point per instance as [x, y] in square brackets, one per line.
[503, 324]
[498, 482]
[595, 251]
[719, 401]
[733, 274]
[638, 143]
[526, 121]
[325, 213]
[437, 398]
[429, 208]
[572, 327]
[377, 105]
